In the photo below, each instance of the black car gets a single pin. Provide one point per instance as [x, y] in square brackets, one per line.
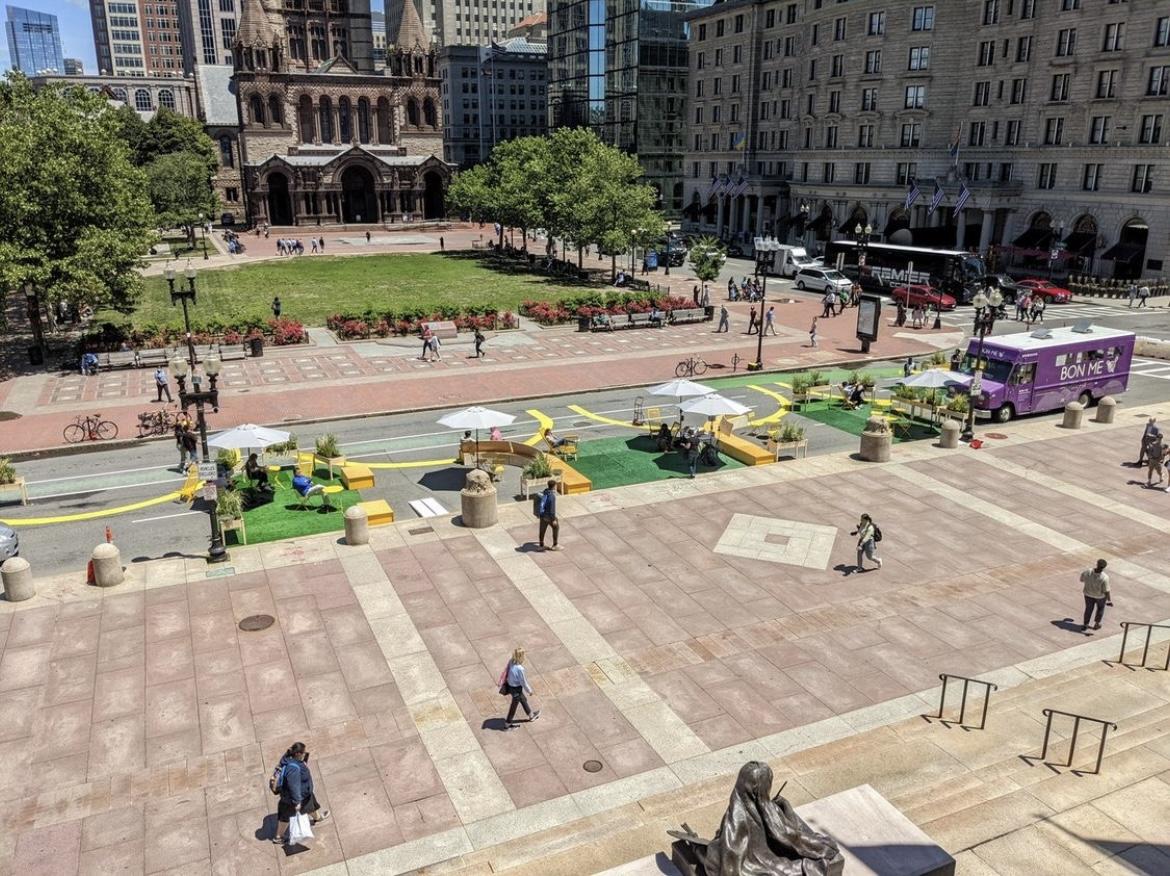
[1006, 285]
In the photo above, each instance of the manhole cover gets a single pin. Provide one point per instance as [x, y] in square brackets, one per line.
[592, 766]
[9, 415]
[998, 436]
[255, 622]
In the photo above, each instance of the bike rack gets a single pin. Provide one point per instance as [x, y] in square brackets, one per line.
[1105, 725]
[988, 687]
[1125, 625]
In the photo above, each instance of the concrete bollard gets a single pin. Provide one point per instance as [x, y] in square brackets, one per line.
[18, 580]
[478, 500]
[107, 565]
[1106, 408]
[949, 439]
[876, 440]
[1074, 415]
[357, 525]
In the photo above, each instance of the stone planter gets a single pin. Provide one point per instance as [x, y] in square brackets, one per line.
[16, 489]
[781, 448]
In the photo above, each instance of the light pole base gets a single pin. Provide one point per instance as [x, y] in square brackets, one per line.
[217, 553]
[755, 366]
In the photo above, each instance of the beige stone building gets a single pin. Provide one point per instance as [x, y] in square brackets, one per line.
[325, 138]
[807, 118]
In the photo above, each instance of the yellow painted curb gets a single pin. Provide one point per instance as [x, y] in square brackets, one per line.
[91, 515]
[542, 422]
[782, 406]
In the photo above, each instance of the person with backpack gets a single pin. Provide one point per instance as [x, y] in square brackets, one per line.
[868, 535]
[293, 783]
[514, 684]
[546, 510]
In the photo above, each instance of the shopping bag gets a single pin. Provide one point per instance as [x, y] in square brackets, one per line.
[300, 830]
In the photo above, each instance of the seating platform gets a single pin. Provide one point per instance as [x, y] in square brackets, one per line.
[741, 449]
[572, 481]
[356, 476]
[378, 512]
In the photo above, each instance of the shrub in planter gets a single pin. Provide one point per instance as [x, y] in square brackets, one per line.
[287, 331]
[229, 504]
[508, 320]
[326, 446]
[801, 383]
[538, 468]
[817, 378]
[791, 433]
[905, 393]
[7, 471]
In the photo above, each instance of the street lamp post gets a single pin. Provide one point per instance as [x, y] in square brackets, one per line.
[862, 235]
[184, 295]
[667, 272]
[986, 306]
[765, 249]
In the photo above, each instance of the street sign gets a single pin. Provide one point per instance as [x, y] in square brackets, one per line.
[977, 383]
[209, 491]
[208, 471]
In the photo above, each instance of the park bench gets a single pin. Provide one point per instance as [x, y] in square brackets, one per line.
[640, 285]
[739, 448]
[229, 352]
[644, 320]
[152, 358]
[444, 330]
[118, 359]
[684, 315]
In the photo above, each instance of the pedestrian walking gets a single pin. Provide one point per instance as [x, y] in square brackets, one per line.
[160, 384]
[367, 237]
[313, 243]
[1037, 309]
[190, 445]
[479, 339]
[546, 510]
[1095, 586]
[514, 683]
[292, 781]
[321, 243]
[1155, 461]
[724, 321]
[1151, 433]
[908, 367]
[276, 306]
[442, 244]
[695, 294]
[1143, 295]
[434, 345]
[770, 321]
[1132, 293]
[868, 535]
[753, 322]
[827, 304]
[812, 334]
[900, 318]
[426, 341]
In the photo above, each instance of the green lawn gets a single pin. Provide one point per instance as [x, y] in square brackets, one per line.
[313, 287]
[283, 518]
[616, 462]
[853, 421]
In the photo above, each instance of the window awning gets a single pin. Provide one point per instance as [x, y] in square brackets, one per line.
[1123, 252]
[896, 223]
[1035, 238]
[1081, 243]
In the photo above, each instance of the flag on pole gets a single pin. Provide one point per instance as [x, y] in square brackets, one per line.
[964, 196]
[954, 150]
[740, 188]
[936, 198]
[913, 194]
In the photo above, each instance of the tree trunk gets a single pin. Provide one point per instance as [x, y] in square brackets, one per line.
[524, 237]
[613, 267]
[580, 257]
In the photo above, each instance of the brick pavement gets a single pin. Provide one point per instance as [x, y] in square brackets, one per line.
[677, 634]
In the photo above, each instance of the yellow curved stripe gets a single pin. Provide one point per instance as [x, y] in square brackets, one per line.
[91, 515]
[598, 418]
[542, 422]
[781, 409]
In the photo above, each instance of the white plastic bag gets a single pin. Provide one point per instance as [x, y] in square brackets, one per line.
[300, 830]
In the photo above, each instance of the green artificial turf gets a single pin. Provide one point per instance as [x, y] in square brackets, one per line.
[616, 462]
[853, 422]
[314, 287]
[282, 518]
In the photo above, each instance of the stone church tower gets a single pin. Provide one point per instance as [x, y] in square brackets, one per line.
[326, 139]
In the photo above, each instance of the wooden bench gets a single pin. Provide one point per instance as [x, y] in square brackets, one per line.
[356, 476]
[741, 449]
[520, 455]
[378, 512]
[444, 330]
[229, 352]
[152, 358]
[693, 314]
[118, 359]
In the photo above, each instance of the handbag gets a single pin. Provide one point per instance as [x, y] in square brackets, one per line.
[504, 691]
[300, 829]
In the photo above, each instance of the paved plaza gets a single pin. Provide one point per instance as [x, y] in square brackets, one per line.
[686, 626]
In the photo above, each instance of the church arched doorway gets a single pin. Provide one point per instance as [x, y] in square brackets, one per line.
[358, 200]
[433, 201]
[279, 203]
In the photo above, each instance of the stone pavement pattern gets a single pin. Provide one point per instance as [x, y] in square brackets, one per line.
[144, 724]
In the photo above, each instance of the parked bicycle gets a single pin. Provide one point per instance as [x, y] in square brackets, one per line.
[90, 428]
[691, 367]
[159, 422]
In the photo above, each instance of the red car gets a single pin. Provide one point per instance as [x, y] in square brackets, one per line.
[927, 296]
[1050, 293]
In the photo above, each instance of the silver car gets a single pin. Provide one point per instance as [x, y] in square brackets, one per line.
[9, 543]
[823, 279]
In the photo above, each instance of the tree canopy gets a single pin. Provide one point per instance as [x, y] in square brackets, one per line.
[707, 257]
[74, 208]
[180, 189]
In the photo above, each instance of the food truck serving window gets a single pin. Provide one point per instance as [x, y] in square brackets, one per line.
[1024, 374]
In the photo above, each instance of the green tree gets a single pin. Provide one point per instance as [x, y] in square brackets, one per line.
[168, 132]
[707, 257]
[73, 208]
[180, 190]
[470, 195]
[620, 210]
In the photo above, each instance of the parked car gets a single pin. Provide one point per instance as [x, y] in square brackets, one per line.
[919, 293]
[9, 543]
[1050, 292]
[823, 280]
[1006, 285]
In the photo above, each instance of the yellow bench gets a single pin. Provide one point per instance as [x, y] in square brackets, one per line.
[747, 452]
[572, 481]
[378, 512]
[357, 477]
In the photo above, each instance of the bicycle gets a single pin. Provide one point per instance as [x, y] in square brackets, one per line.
[690, 367]
[90, 428]
[156, 422]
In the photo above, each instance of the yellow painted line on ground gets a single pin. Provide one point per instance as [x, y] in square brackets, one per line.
[90, 515]
[598, 418]
[782, 406]
[542, 422]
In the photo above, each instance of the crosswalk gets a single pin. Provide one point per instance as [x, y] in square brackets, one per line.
[1054, 314]
[1159, 368]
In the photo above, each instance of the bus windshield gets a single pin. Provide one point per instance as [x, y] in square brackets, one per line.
[974, 268]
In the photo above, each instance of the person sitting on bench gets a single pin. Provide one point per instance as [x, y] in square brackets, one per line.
[854, 395]
[304, 486]
[256, 473]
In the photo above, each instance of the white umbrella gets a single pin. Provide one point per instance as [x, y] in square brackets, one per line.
[476, 418]
[936, 378]
[247, 437]
[681, 388]
[715, 405]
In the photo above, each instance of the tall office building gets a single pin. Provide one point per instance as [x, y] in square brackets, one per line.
[621, 69]
[208, 30]
[137, 37]
[465, 22]
[34, 41]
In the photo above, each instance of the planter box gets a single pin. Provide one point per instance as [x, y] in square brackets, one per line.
[780, 448]
[17, 489]
[330, 462]
[528, 485]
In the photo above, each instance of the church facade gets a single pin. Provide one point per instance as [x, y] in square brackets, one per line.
[324, 137]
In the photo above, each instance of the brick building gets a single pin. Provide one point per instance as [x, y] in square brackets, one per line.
[807, 118]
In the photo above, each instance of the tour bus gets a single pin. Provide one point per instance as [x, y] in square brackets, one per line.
[958, 274]
[1043, 370]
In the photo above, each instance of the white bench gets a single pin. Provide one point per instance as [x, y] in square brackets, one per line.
[428, 507]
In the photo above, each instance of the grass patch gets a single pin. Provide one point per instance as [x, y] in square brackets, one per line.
[282, 518]
[314, 287]
[853, 421]
[616, 462]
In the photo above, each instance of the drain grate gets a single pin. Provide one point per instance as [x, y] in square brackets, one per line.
[256, 622]
[9, 415]
[421, 530]
[592, 766]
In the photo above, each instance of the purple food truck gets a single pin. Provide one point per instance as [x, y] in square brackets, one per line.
[1043, 370]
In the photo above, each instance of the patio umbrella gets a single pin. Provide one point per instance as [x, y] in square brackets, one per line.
[936, 378]
[476, 418]
[681, 388]
[247, 437]
[715, 405]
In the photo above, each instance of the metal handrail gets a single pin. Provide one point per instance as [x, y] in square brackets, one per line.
[944, 677]
[1105, 725]
[1125, 625]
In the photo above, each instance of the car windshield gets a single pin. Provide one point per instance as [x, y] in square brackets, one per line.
[995, 370]
[835, 275]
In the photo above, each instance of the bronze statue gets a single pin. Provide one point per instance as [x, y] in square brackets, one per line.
[760, 835]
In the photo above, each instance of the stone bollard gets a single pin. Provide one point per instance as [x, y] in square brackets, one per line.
[478, 500]
[107, 565]
[1106, 407]
[1074, 414]
[357, 525]
[949, 439]
[875, 440]
[18, 579]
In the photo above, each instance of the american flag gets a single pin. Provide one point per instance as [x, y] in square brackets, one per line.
[913, 194]
[711, 187]
[936, 198]
[964, 196]
[739, 188]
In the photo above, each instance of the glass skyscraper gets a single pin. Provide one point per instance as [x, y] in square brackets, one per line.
[620, 68]
[34, 41]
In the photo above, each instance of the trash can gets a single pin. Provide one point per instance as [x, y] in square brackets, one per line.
[583, 323]
[257, 345]
[36, 356]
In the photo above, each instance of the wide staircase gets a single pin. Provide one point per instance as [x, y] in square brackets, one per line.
[984, 795]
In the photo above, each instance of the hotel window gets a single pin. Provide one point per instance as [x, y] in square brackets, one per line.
[991, 11]
[1091, 180]
[1143, 179]
[905, 172]
[1069, 5]
[828, 172]
[977, 134]
[1054, 132]
[1151, 130]
[986, 53]
[920, 58]
[699, 59]
[911, 135]
[982, 94]
[1012, 133]
[1162, 32]
[1099, 130]
[873, 61]
[923, 18]
[1114, 37]
[1059, 88]
[877, 23]
[1023, 49]
[834, 101]
[812, 70]
[1159, 83]
[831, 137]
[838, 66]
[1019, 90]
[1028, 9]
[915, 97]
[861, 173]
[1046, 178]
[869, 99]
[865, 136]
[1066, 42]
[839, 29]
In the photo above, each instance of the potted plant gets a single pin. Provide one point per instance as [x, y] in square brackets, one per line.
[801, 384]
[536, 474]
[788, 439]
[229, 508]
[10, 482]
[326, 451]
[227, 461]
[957, 406]
[283, 453]
[819, 381]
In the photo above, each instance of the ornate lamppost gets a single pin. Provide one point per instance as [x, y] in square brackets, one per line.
[765, 249]
[986, 307]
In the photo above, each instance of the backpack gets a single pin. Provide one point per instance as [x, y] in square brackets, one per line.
[536, 503]
[877, 533]
[275, 784]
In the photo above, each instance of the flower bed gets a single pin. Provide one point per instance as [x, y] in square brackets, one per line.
[351, 326]
[554, 312]
[109, 336]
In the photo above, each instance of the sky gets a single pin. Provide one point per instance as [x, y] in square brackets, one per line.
[76, 31]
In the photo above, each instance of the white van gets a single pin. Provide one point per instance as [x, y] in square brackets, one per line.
[791, 259]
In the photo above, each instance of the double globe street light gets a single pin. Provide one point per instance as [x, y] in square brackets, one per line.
[764, 249]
